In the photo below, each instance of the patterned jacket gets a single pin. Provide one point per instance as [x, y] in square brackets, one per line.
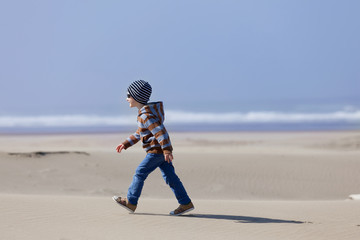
[151, 130]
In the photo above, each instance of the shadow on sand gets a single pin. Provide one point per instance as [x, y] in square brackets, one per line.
[238, 219]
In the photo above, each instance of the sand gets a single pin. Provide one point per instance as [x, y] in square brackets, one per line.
[245, 185]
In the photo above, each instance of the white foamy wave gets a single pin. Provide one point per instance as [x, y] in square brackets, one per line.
[262, 117]
[65, 121]
[180, 117]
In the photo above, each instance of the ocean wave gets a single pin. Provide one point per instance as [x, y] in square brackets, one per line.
[263, 117]
[65, 121]
[180, 117]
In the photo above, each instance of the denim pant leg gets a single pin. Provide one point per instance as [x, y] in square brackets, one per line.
[174, 182]
[149, 164]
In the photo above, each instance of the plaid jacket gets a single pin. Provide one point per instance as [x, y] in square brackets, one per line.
[151, 130]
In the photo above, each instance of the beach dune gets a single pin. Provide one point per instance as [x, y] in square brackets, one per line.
[290, 185]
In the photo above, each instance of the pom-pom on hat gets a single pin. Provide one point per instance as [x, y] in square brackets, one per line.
[140, 90]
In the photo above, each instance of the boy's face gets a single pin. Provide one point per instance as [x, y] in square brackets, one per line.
[131, 101]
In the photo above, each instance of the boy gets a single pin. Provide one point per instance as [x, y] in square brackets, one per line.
[156, 143]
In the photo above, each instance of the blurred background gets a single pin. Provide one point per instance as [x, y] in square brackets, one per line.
[217, 65]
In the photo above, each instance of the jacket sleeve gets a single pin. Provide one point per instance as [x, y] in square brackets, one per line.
[159, 131]
[132, 139]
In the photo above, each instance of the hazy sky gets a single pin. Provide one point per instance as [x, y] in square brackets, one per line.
[73, 56]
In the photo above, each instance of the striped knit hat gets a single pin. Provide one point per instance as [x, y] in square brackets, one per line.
[140, 90]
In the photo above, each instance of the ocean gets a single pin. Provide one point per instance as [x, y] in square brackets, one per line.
[346, 119]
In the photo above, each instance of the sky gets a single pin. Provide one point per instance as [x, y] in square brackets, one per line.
[79, 56]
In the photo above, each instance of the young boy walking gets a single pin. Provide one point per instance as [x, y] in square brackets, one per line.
[157, 144]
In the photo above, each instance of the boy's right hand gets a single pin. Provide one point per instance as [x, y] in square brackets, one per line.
[119, 148]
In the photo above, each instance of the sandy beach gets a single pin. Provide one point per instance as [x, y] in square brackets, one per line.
[244, 185]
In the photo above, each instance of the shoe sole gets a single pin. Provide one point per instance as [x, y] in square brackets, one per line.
[130, 211]
[186, 211]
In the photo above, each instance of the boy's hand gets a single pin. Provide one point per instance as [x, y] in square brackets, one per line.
[168, 157]
[119, 148]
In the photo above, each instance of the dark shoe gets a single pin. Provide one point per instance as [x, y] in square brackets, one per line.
[183, 209]
[125, 203]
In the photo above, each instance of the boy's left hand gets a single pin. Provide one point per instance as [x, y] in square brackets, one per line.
[168, 157]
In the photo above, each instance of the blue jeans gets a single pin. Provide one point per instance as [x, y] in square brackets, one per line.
[149, 164]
